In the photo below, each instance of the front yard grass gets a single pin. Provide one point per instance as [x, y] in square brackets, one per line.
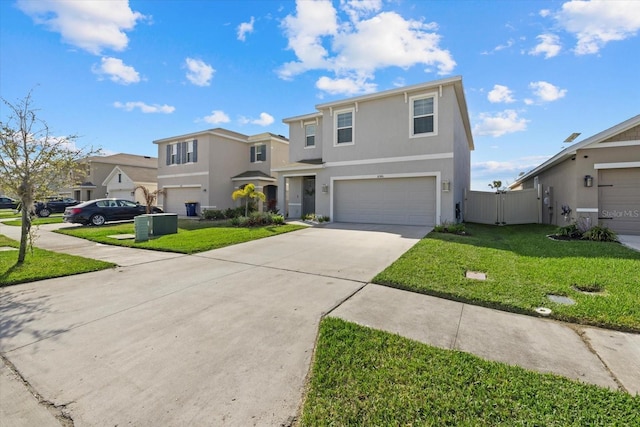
[365, 377]
[53, 219]
[192, 236]
[41, 264]
[523, 266]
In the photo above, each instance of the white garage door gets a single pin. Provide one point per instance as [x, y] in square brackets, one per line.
[176, 197]
[619, 199]
[408, 201]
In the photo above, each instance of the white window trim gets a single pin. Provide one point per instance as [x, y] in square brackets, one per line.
[353, 127]
[433, 95]
[189, 151]
[304, 126]
[255, 152]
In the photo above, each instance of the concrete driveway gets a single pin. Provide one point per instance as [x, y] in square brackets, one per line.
[222, 337]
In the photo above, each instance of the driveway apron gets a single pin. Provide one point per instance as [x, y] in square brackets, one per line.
[219, 338]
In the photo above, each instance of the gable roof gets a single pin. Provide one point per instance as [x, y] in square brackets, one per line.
[125, 159]
[572, 149]
[136, 174]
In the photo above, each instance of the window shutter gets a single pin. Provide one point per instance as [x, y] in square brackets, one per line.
[178, 153]
[185, 147]
[253, 154]
[195, 150]
[168, 154]
[264, 153]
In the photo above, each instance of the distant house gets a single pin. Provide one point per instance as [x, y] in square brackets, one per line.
[400, 156]
[122, 182]
[206, 167]
[596, 180]
[99, 171]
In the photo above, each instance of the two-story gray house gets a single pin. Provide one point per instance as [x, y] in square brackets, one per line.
[401, 156]
[206, 167]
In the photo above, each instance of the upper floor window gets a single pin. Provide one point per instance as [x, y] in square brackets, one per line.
[259, 153]
[344, 127]
[423, 115]
[182, 152]
[310, 135]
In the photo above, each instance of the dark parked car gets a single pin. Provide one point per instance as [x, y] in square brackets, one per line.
[53, 205]
[8, 203]
[97, 212]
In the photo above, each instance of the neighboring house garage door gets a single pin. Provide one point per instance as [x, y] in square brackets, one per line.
[619, 199]
[408, 201]
[121, 194]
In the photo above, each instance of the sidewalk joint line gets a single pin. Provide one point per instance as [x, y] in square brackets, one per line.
[455, 338]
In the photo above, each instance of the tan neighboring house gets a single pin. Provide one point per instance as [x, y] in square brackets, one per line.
[400, 156]
[100, 171]
[123, 181]
[595, 181]
[206, 167]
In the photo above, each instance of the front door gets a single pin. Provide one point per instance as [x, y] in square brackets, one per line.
[308, 195]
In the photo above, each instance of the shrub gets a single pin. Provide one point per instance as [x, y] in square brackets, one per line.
[600, 233]
[277, 219]
[450, 227]
[213, 214]
[234, 212]
[570, 230]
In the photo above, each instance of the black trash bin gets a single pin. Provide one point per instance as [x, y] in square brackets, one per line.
[191, 208]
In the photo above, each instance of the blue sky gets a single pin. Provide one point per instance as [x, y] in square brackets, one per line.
[121, 74]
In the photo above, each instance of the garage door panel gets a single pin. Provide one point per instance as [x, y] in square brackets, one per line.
[619, 199]
[409, 201]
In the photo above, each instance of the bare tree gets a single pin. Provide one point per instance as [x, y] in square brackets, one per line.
[150, 196]
[32, 161]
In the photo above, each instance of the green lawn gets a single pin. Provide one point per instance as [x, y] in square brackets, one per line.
[53, 219]
[41, 264]
[523, 266]
[192, 236]
[8, 213]
[364, 377]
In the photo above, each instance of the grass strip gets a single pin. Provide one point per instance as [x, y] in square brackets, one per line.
[364, 377]
[198, 238]
[41, 264]
[523, 266]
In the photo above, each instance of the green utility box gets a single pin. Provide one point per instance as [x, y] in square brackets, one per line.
[141, 227]
[163, 223]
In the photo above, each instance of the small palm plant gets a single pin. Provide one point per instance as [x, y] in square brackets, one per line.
[150, 196]
[248, 192]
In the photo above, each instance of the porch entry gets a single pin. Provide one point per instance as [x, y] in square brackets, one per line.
[308, 195]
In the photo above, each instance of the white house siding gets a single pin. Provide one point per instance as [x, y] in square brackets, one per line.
[407, 201]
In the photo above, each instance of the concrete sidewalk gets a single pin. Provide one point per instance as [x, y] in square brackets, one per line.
[225, 337]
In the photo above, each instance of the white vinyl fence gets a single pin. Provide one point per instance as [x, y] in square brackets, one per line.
[512, 207]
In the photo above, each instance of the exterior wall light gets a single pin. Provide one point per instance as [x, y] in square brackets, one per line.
[588, 181]
[446, 186]
[325, 188]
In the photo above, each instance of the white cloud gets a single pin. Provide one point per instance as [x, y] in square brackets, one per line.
[145, 108]
[549, 46]
[264, 120]
[199, 73]
[500, 93]
[500, 124]
[346, 86]
[358, 46]
[89, 25]
[217, 116]
[545, 12]
[358, 9]
[117, 71]
[546, 92]
[596, 23]
[245, 28]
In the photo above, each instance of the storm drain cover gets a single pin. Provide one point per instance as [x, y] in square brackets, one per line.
[476, 275]
[561, 299]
